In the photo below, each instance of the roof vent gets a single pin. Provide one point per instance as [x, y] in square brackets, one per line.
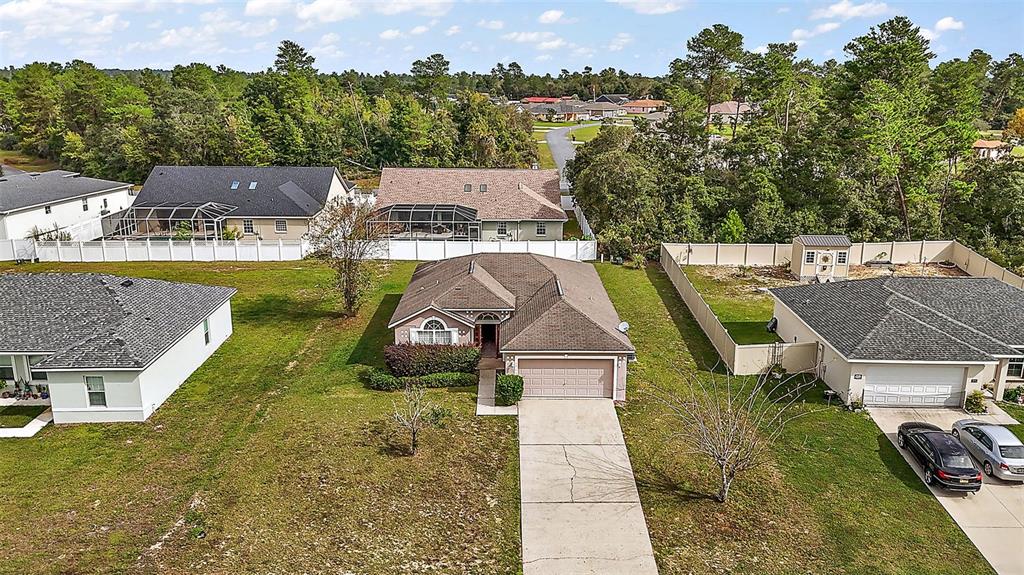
[252, 185]
[623, 327]
[483, 187]
[127, 283]
[558, 286]
[467, 188]
[472, 266]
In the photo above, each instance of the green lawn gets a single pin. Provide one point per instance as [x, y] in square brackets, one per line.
[546, 160]
[742, 309]
[586, 133]
[272, 458]
[19, 415]
[1017, 412]
[540, 124]
[571, 229]
[834, 496]
[26, 163]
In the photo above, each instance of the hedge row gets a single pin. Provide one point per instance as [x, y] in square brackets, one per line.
[406, 359]
[508, 390]
[384, 381]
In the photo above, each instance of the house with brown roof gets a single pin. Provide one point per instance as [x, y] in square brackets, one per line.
[599, 110]
[991, 149]
[546, 319]
[729, 112]
[470, 204]
[645, 106]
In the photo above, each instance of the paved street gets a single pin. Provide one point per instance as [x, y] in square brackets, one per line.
[562, 149]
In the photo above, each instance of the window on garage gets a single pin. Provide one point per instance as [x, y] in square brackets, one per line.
[281, 226]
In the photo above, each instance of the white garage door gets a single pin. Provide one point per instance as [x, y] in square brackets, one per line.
[924, 386]
[567, 377]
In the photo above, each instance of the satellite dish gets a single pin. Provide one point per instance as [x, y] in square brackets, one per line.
[623, 327]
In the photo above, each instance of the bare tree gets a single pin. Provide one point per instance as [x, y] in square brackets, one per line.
[735, 420]
[414, 415]
[345, 234]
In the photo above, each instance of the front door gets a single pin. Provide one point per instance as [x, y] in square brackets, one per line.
[486, 336]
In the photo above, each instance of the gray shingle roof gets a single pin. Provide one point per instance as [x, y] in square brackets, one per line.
[913, 318]
[580, 318]
[84, 320]
[281, 191]
[23, 190]
[822, 241]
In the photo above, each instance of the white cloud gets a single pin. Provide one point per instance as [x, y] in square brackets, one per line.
[552, 44]
[762, 49]
[268, 7]
[469, 47]
[620, 41]
[802, 34]
[550, 17]
[423, 7]
[452, 31]
[419, 30]
[845, 9]
[649, 7]
[320, 11]
[541, 40]
[329, 38]
[491, 24]
[948, 23]
[783, 9]
[829, 53]
[543, 58]
[390, 34]
[327, 47]
[928, 34]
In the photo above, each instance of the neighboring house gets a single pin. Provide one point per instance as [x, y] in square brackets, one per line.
[645, 106]
[560, 111]
[108, 348]
[60, 201]
[540, 100]
[548, 320]
[909, 341]
[271, 202]
[820, 258]
[617, 99]
[656, 118]
[470, 204]
[729, 113]
[599, 110]
[992, 149]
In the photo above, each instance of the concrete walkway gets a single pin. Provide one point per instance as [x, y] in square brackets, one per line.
[581, 511]
[485, 396]
[993, 518]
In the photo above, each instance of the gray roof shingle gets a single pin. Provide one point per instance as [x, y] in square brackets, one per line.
[824, 241]
[580, 318]
[97, 321]
[23, 190]
[913, 318]
[281, 191]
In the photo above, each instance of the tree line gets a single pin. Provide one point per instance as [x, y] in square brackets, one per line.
[877, 147]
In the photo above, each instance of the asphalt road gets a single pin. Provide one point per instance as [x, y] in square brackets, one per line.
[562, 149]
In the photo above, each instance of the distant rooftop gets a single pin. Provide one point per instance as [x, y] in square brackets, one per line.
[27, 189]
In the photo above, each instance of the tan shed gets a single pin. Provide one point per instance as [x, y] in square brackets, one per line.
[820, 258]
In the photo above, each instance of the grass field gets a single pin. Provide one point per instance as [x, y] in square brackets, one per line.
[26, 163]
[571, 229]
[19, 415]
[742, 309]
[272, 458]
[540, 124]
[545, 159]
[834, 496]
[586, 133]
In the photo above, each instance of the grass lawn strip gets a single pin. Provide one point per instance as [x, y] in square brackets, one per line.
[835, 497]
[19, 415]
[273, 457]
[733, 294]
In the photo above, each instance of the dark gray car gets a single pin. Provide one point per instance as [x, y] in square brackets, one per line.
[1000, 451]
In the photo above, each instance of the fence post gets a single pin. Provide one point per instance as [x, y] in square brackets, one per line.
[170, 249]
[58, 252]
[444, 249]
[280, 250]
[528, 247]
[103, 248]
[192, 248]
[236, 249]
[746, 254]
[920, 258]
[81, 251]
[259, 255]
[718, 248]
[416, 249]
[35, 249]
[126, 258]
[578, 250]
[149, 250]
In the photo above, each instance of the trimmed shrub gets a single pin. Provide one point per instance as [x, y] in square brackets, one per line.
[444, 379]
[1013, 394]
[508, 390]
[975, 402]
[407, 359]
[383, 381]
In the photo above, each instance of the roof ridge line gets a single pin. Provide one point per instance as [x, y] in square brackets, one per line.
[942, 315]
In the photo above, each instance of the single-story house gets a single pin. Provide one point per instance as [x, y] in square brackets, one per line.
[547, 319]
[470, 204]
[992, 149]
[540, 100]
[57, 203]
[820, 258]
[729, 112]
[266, 202]
[107, 348]
[599, 110]
[909, 341]
[560, 111]
[645, 106]
[617, 99]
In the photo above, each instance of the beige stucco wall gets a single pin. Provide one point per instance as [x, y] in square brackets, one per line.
[264, 228]
[833, 369]
[402, 331]
[521, 231]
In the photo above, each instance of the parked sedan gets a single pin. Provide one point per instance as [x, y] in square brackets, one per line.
[1000, 451]
[945, 460]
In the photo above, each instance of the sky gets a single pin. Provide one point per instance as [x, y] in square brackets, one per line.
[640, 36]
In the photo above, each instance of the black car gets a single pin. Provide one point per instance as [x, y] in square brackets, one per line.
[945, 460]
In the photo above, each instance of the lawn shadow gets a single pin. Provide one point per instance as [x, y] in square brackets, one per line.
[656, 479]
[898, 466]
[369, 350]
[382, 434]
[750, 332]
[704, 354]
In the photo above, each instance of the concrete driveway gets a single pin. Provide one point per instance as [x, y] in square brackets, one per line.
[993, 518]
[581, 511]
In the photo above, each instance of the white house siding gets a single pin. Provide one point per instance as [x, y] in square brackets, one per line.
[171, 369]
[520, 231]
[66, 214]
[135, 395]
[834, 369]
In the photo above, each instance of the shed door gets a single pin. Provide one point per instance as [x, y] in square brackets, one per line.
[567, 377]
[914, 385]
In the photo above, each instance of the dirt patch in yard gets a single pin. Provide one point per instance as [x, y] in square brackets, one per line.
[905, 270]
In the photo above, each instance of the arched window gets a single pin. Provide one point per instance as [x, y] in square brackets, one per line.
[433, 331]
[488, 317]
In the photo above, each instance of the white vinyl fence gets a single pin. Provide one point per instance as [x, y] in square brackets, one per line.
[268, 251]
[569, 204]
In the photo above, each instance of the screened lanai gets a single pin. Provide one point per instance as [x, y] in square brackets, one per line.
[188, 220]
[429, 221]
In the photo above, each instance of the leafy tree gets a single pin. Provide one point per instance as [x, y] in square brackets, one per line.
[710, 58]
[732, 230]
[1015, 127]
[292, 57]
[431, 80]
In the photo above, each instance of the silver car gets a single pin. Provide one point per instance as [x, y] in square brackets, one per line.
[1000, 451]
